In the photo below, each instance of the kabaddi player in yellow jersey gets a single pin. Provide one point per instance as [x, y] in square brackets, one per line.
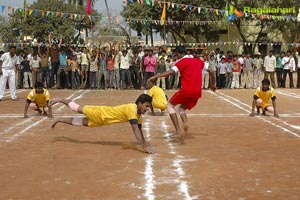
[102, 115]
[38, 100]
[159, 98]
[262, 97]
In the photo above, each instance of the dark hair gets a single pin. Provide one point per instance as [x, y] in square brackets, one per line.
[180, 49]
[39, 85]
[265, 82]
[143, 98]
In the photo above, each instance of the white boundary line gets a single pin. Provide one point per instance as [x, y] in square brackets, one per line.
[150, 185]
[289, 94]
[148, 171]
[226, 98]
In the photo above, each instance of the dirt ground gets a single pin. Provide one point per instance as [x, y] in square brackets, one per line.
[226, 155]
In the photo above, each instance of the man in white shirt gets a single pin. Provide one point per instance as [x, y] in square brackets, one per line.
[289, 66]
[8, 63]
[270, 65]
[124, 69]
[257, 65]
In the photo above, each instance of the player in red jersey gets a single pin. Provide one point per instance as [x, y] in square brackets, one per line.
[190, 70]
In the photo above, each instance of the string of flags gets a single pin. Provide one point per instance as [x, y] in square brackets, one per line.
[47, 13]
[230, 12]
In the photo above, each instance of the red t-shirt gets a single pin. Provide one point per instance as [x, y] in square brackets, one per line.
[191, 74]
[190, 70]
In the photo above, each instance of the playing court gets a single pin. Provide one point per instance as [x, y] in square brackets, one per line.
[226, 155]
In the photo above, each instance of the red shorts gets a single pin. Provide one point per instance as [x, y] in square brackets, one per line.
[189, 100]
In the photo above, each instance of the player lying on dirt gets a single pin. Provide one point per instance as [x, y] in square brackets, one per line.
[96, 116]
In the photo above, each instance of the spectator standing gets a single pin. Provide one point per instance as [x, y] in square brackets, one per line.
[289, 66]
[8, 63]
[270, 65]
[27, 73]
[150, 64]
[222, 71]
[54, 56]
[125, 71]
[279, 69]
[161, 68]
[236, 73]
[63, 68]
[247, 74]
[75, 72]
[257, 67]
[205, 75]
[110, 72]
[85, 59]
[35, 68]
[116, 70]
[44, 70]
[93, 69]
[135, 70]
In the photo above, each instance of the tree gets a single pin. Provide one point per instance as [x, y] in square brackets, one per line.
[263, 25]
[182, 32]
[250, 30]
[38, 26]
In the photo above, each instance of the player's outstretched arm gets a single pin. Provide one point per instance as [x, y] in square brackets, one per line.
[140, 138]
[164, 74]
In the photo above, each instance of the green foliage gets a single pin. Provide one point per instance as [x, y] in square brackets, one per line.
[146, 12]
[39, 27]
[191, 33]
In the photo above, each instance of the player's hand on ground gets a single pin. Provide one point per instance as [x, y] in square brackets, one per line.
[251, 114]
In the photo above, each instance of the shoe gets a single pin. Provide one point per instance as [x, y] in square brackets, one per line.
[16, 99]
[0, 99]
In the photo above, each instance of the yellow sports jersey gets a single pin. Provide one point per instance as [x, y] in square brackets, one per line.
[265, 96]
[102, 115]
[39, 99]
[159, 99]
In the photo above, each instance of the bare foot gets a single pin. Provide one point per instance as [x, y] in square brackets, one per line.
[185, 129]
